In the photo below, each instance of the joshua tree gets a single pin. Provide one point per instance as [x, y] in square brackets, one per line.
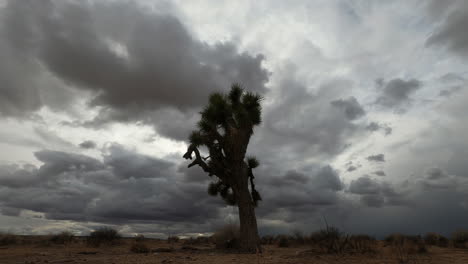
[225, 128]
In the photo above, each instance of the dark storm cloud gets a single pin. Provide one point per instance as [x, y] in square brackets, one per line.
[374, 126]
[373, 193]
[364, 185]
[14, 176]
[351, 107]
[124, 187]
[435, 173]
[452, 31]
[351, 168]
[372, 200]
[136, 62]
[26, 86]
[296, 177]
[87, 144]
[8, 211]
[396, 92]
[380, 173]
[303, 122]
[127, 164]
[376, 158]
[298, 194]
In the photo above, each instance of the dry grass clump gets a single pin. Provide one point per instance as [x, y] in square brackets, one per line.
[103, 235]
[460, 238]
[227, 237]
[7, 239]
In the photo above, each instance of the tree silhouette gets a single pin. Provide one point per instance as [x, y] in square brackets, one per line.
[225, 128]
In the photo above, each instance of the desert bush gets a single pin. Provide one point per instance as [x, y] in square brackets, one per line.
[197, 241]
[227, 237]
[8, 239]
[172, 239]
[443, 241]
[267, 240]
[139, 238]
[361, 244]
[139, 247]
[103, 235]
[460, 238]
[284, 241]
[331, 240]
[434, 239]
[65, 237]
[299, 238]
[406, 249]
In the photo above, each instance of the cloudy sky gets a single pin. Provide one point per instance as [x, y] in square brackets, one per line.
[364, 114]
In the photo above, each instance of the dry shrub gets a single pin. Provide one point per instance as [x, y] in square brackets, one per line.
[331, 240]
[435, 239]
[267, 240]
[460, 238]
[299, 238]
[139, 247]
[7, 239]
[139, 238]
[201, 240]
[284, 241]
[361, 244]
[406, 249]
[63, 238]
[227, 237]
[103, 235]
[172, 239]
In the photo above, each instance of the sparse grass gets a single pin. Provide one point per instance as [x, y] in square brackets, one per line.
[103, 235]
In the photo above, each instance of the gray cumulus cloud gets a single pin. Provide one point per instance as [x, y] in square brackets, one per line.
[376, 158]
[396, 92]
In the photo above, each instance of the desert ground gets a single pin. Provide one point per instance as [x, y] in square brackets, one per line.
[29, 250]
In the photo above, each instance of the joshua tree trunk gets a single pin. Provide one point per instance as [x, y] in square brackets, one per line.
[250, 242]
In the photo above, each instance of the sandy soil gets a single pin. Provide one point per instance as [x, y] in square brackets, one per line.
[79, 252]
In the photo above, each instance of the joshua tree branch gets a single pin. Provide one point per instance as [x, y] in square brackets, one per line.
[198, 159]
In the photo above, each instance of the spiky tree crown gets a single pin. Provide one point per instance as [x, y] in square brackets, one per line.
[225, 128]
